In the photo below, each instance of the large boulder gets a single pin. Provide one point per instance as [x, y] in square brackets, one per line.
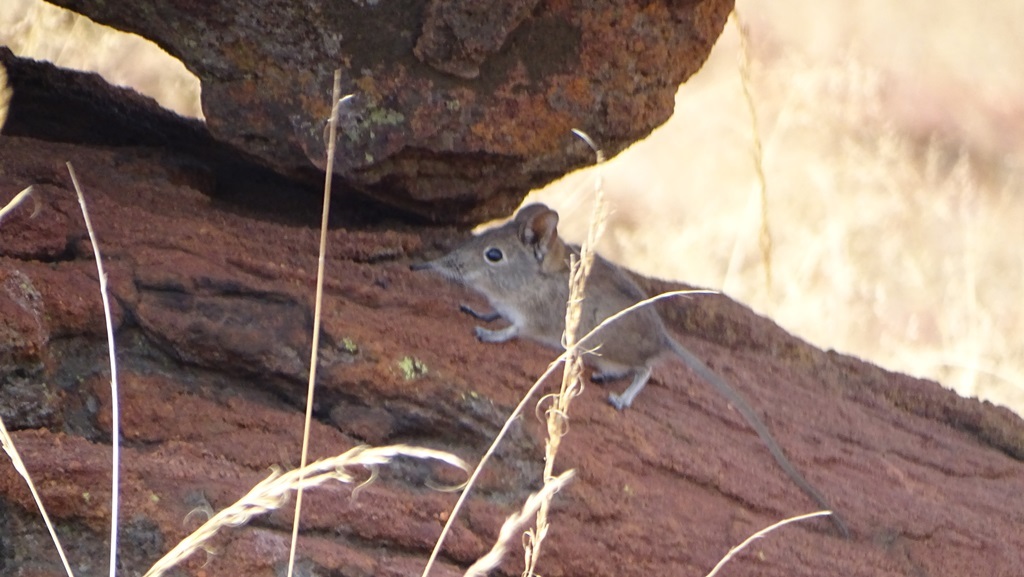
[459, 107]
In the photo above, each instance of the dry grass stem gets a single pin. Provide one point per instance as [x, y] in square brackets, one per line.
[735, 550]
[483, 461]
[19, 466]
[765, 236]
[572, 385]
[17, 201]
[272, 492]
[336, 101]
[115, 433]
[515, 522]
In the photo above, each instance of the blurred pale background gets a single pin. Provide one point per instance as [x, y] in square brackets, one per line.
[892, 140]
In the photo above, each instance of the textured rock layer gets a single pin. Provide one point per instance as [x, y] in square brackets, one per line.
[459, 107]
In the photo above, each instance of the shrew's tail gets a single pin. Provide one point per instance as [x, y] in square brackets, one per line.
[748, 413]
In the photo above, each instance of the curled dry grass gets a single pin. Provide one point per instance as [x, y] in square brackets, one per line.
[557, 413]
[515, 522]
[273, 492]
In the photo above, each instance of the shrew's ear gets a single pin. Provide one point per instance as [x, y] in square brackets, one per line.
[538, 231]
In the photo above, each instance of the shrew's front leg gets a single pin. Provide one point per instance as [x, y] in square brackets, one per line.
[487, 335]
[640, 377]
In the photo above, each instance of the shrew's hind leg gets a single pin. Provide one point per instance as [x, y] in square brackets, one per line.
[640, 377]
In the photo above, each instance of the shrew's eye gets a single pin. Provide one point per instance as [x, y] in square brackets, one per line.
[493, 255]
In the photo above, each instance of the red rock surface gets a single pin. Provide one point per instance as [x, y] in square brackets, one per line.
[460, 107]
[213, 309]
